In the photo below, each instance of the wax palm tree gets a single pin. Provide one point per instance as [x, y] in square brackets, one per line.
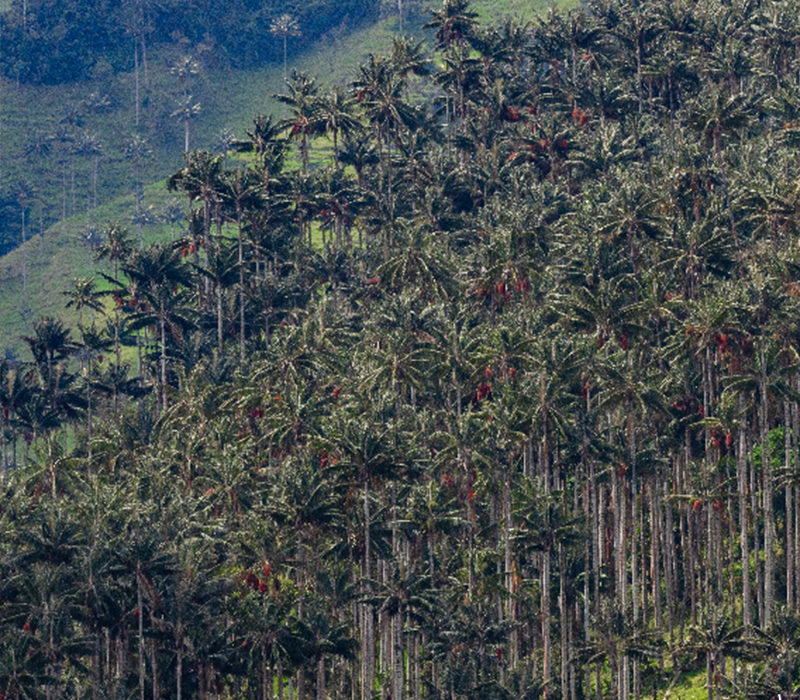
[23, 195]
[82, 296]
[241, 191]
[200, 180]
[335, 111]
[380, 89]
[16, 388]
[340, 205]
[304, 119]
[186, 111]
[23, 666]
[454, 23]
[285, 26]
[90, 147]
[265, 140]
[157, 273]
[612, 639]
[632, 214]
[222, 268]
[358, 151]
[369, 456]
[418, 265]
[117, 247]
[718, 113]
[409, 57]
[49, 344]
[718, 639]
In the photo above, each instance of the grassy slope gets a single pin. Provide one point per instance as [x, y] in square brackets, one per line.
[229, 100]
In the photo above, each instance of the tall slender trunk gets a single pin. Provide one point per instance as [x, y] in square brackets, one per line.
[790, 514]
[367, 639]
[64, 198]
[26, 305]
[741, 481]
[163, 327]
[241, 281]
[795, 540]
[767, 491]
[320, 689]
[563, 622]
[219, 318]
[179, 659]
[136, 82]
[140, 617]
[545, 613]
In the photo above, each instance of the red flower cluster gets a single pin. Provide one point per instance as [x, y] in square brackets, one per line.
[719, 441]
[580, 117]
[255, 582]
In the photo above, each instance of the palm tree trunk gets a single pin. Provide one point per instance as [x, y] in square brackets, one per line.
[241, 282]
[754, 511]
[154, 666]
[179, 661]
[545, 613]
[367, 638]
[25, 304]
[95, 164]
[790, 514]
[769, 514]
[136, 81]
[398, 679]
[219, 319]
[64, 198]
[563, 622]
[140, 616]
[320, 694]
[163, 327]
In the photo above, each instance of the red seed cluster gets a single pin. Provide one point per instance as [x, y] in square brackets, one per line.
[256, 583]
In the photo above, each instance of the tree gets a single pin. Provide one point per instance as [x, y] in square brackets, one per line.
[157, 273]
[285, 26]
[23, 194]
[186, 110]
[83, 295]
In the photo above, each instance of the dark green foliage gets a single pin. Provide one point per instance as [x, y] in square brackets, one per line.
[57, 41]
[499, 397]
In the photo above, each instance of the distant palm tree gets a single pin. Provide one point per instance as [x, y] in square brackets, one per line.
[285, 26]
[24, 193]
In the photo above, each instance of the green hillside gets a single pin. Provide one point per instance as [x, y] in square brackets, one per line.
[229, 100]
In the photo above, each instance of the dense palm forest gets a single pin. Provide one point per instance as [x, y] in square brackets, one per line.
[476, 379]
